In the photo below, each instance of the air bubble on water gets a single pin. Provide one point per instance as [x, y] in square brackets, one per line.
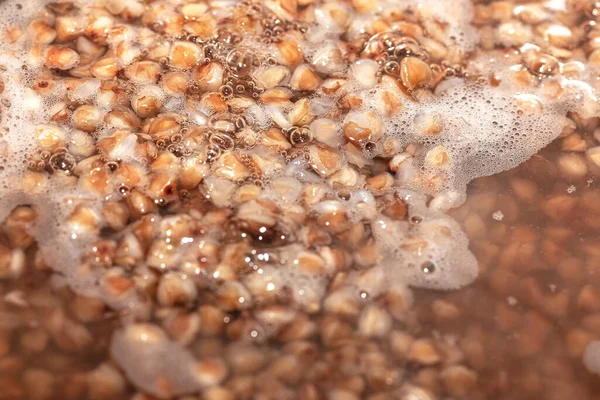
[226, 91]
[392, 68]
[213, 152]
[498, 215]
[299, 135]
[428, 267]
[222, 140]
[416, 219]
[370, 147]
[242, 61]
[344, 194]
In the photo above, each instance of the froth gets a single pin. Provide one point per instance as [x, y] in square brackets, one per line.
[429, 250]
[471, 130]
[444, 23]
[55, 197]
[290, 192]
[467, 130]
[457, 31]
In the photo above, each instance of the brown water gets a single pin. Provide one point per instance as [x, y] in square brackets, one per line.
[198, 273]
[525, 324]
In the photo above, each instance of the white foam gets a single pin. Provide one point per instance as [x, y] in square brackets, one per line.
[427, 251]
[484, 131]
[455, 15]
[452, 24]
[56, 197]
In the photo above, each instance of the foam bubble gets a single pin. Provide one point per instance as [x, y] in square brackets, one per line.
[467, 130]
[481, 130]
[54, 196]
[450, 27]
[458, 30]
[429, 250]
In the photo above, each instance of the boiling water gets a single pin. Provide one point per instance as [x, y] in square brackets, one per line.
[281, 199]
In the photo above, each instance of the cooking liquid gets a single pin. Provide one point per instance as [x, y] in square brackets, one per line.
[214, 238]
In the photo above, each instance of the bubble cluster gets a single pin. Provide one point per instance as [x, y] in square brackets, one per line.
[299, 135]
[428, 250]
[481, 131]
[283, 136]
